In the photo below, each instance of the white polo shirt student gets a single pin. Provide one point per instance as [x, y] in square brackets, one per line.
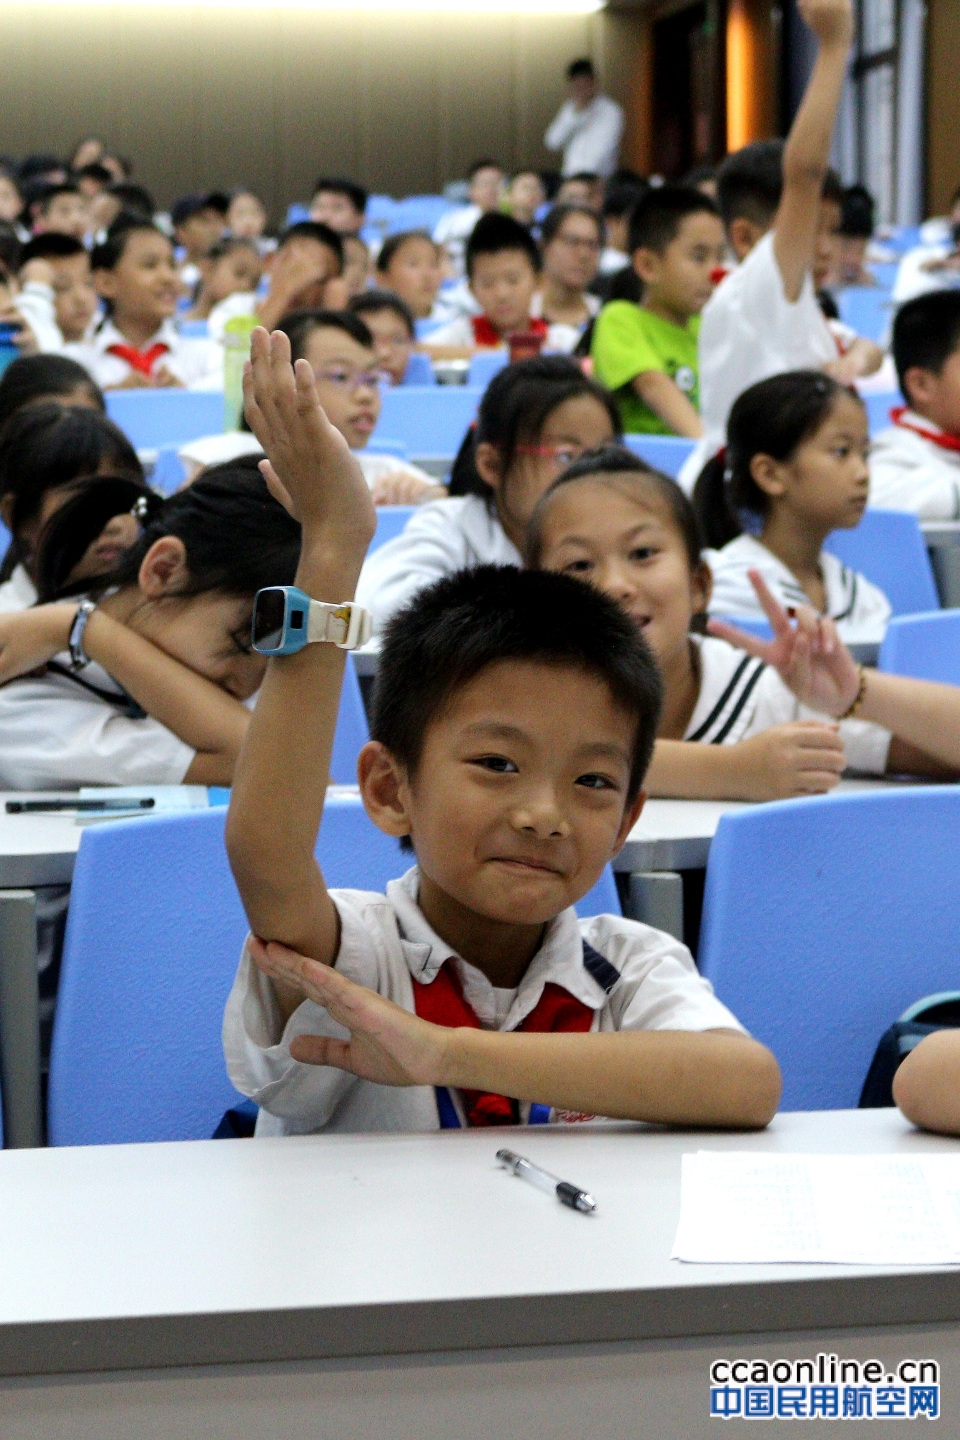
[58, 733]
[859, 609]
[914, 465]
[440, 538]
[17, 593]
[740, 696]
[197, 362]
[630, 976]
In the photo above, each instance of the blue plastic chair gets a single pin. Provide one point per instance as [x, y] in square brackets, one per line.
[199, 329]
[886, 270]
[602, 899]
[297, 212]
[151, 418]
[752, 624]
[878, 409]
[430, 420]
[418, 212]
[926, 647]
[486, 364]
[667, 453]
[866, 309]
[169, 472]
[888, 548]
[419, 371]
[154, 934]
[387, 447]
[352, 731]
[824, 918]
[5, 539]
[391, 522]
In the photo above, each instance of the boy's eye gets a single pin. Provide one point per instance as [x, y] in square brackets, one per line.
[499, 764]
[578, 567]
[644, 552]
[593, 781]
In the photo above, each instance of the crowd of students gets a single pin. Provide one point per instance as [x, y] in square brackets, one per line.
[555, 624]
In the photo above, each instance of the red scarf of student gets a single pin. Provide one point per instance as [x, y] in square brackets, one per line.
[485, 334]
[142, 361]
[936, 437]
[443, 1003]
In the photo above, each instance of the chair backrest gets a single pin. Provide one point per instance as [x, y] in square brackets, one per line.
[417, 212]
[879, 407]
[663, 452]
[484, 365]
[823, 918]
[419, 371]
[166, 417]
[924, 646]
[866, 309]
[297, 212]
[352, 731]
[757, 625]
[383, 446]
[154, 934]
[888, 548]
[431, 420]
[5, 539]
[169, 471]
[391, 520]
[602, 899]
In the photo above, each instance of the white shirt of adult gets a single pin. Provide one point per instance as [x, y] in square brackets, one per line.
[749, 331]
[589, 137]
[440, 538]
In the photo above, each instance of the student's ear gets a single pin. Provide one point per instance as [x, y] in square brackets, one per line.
[743, 235]
[766, 473]
[489, 463]
[646, 264]
[630, 817]
[105, 282]
[918, 386]
[701, 587]
[163, 570]
[384, 789]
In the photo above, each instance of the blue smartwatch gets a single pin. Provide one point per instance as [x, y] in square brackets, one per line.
[285, 619]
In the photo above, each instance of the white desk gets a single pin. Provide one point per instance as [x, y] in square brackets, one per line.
[403, 1285]
[942, 539]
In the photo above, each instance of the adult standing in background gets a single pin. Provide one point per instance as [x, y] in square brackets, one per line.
[589, 127]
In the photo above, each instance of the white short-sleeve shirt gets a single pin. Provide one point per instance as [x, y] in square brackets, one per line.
[740, 696]
[910, 471]
[17, 593]
[196, 361]
[749, 331]
[859, 609]
[641, 979]
[56, 734]
[218, 449]
[915, 277]
[440, 538]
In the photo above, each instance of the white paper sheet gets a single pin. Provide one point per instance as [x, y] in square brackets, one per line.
[737, 1207]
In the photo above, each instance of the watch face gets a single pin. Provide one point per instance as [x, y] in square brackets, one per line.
[269, 609]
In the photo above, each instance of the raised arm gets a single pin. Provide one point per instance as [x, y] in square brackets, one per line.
[281, 777]
[807, 151]
[814, 662]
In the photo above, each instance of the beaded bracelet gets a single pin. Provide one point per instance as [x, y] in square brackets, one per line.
[857, 701]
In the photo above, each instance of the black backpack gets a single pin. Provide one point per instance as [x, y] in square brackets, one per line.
[936, 1012]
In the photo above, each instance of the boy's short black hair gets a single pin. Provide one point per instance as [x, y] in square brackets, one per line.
[338, 185]
[484, 163]
[926, 332]
[134, 198]
[313, 230]
[657, 218]
[456, 628]
[494, 233]
[371, 302]
[750, 183]
[621, 198]
[858, 217]
[393, 243]
[299, 325]
[832, 187]
[576, 68]
[41, 202]
[95, 171]
[51, 245]
[189, 205]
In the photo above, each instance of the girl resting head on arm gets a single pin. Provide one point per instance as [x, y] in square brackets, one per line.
[154, 687]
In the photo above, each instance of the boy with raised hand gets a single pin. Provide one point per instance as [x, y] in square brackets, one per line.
[516, 717]
[647, 353]
[915, 464]
[764, 318]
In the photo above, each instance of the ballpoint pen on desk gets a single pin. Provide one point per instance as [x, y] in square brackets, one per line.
[566, 1193]
[82, 807]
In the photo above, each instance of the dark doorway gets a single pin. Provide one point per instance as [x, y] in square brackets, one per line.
[685, 90]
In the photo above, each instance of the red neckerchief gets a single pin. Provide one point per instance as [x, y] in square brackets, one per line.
[141, 360]
[486, 334]
[936, 437]
[443, 1003]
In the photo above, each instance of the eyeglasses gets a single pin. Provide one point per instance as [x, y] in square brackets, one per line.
[561, 455]
[352, 379]
[578, 242]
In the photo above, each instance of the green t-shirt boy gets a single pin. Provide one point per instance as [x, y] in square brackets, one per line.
[629, 341]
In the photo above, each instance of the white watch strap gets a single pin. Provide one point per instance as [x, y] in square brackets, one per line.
[348, 626]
